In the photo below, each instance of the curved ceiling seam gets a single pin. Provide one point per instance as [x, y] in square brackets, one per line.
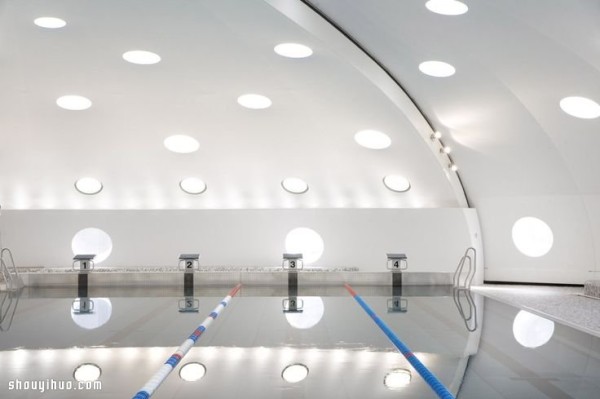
[390, 76]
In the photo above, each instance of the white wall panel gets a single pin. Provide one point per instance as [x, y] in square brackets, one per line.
[571, 257]
[433, 239]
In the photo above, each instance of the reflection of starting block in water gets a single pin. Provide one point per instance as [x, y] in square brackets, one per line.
[397, 305]
[292, 262]
[82, 306]
[189, 304]
[292, 305]
[397, 262]
[85, 262]
[189, 262]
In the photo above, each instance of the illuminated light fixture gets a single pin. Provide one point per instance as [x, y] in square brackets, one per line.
[294, 373]
[396, 183]
[92, 241]
[532, 331]
[436, 135]
[50, 22]
[373, 139]
[254, 101]
[192, 185]
[580, 107]
[87, 372]
[437, 69]
[181, 144]
[397, 379]
[97, 318]
[192, 371]
[73, 102]
[88, 185]
[446, 150]
[293, 50]
[305, 241]
[453, 167]
[294, 185]
[141, 57]
[532, 236]
[447, 7]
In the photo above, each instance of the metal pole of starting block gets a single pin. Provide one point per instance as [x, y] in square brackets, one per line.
[396, 263]
[83, 304]
[292, 263]
[189, 263]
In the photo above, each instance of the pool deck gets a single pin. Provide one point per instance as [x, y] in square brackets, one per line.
[565, 305]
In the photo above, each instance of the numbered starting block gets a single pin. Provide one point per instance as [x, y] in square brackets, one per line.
[189, 262]
[397, 305]
[83, 306]
[292, 262]
[292, 305]
[85, 262]
[397, 262]
[189, 304]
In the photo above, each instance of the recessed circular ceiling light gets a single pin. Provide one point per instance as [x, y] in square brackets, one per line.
[293, 50]
[181, 144]
[437, 69]
[254, 101]
[192, 185]
[141, 57]
[396, 379]
[192, 371]
[50, 22]
[73, 102]
[88, 185]
[373, 139]
[396, 183]
[294, 373]
[447, 7]
[87, 372]
[294, 185]
[580, 107]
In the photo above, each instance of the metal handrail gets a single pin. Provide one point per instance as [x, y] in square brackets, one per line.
[9, 310]
[12, 280]
[471, 256]
[469, 319]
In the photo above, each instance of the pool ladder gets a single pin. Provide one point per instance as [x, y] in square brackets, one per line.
[12, 280]
[470, 258]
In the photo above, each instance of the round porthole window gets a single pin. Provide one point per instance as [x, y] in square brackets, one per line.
[92, 241]
[532, 236]
[306, 242]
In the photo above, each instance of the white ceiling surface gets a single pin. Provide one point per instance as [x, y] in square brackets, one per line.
[212, 52]
[500, 112]
[519, 154]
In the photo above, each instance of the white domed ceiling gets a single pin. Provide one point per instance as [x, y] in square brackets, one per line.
[198, 58]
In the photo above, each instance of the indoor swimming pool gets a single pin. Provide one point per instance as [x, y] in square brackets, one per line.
[259, 347]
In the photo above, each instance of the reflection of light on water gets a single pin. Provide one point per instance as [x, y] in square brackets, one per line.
[532, 331]
[100, 315]
[312, 313]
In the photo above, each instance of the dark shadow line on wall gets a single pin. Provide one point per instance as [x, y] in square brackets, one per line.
[354, 41]
[536, 284]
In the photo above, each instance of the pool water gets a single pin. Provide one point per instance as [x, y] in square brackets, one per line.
[477, 347]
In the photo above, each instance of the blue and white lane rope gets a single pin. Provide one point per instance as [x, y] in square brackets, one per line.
[427, 375]
[158, 378]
